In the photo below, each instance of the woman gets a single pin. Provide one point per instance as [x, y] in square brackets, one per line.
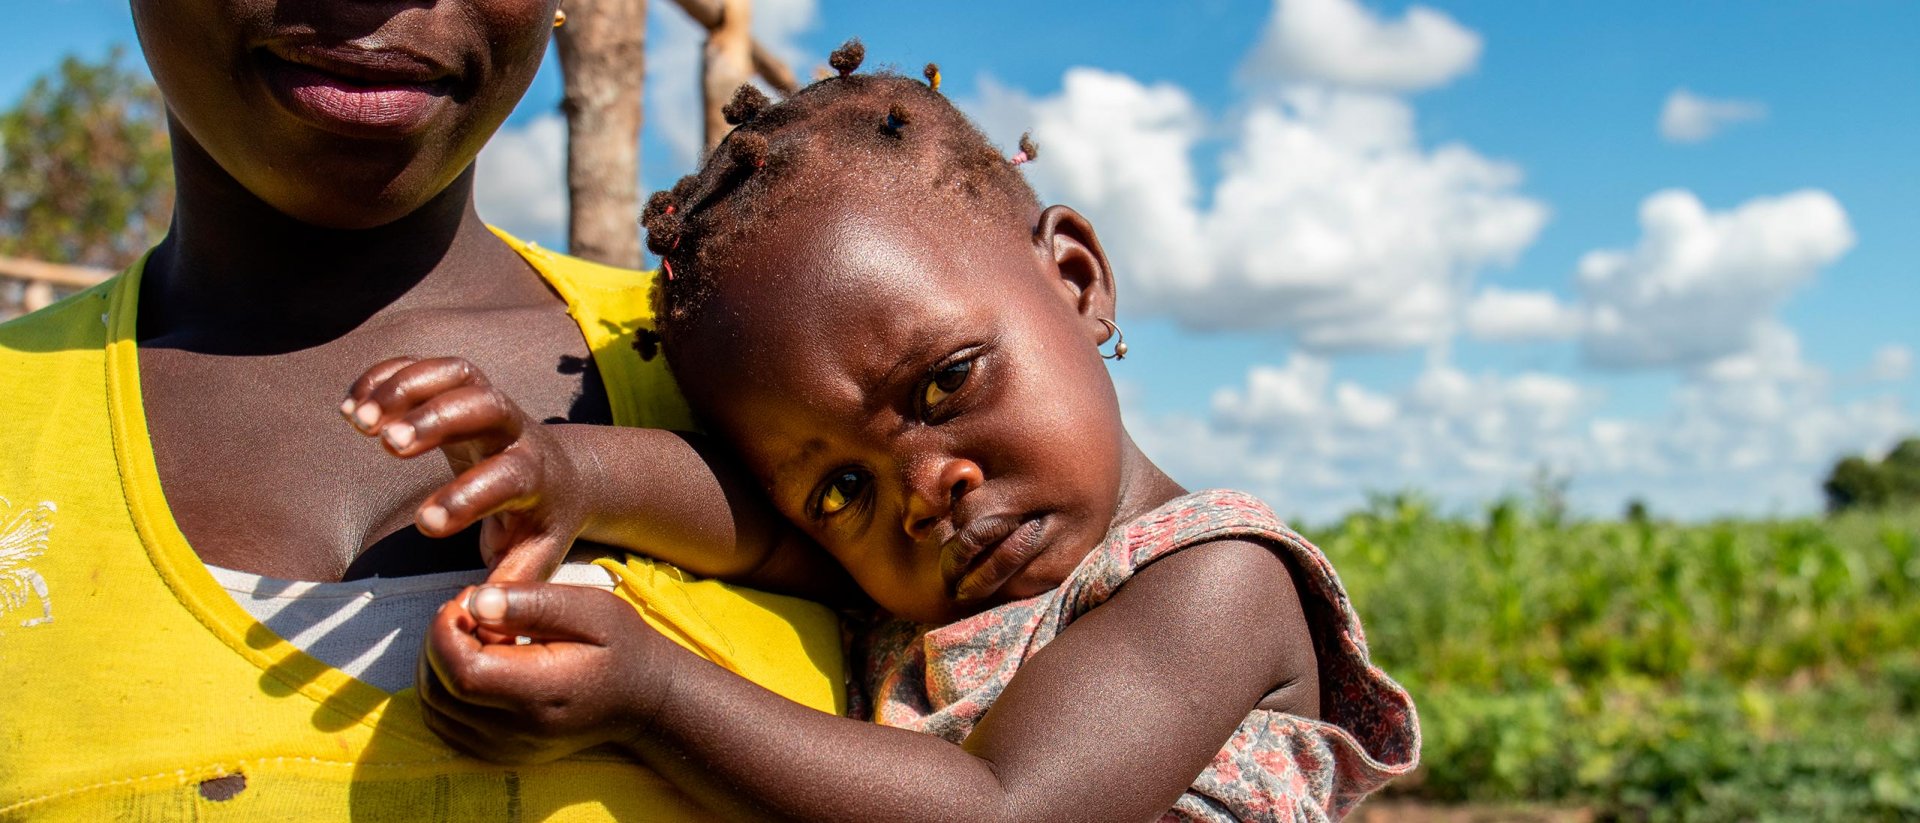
[199, 611]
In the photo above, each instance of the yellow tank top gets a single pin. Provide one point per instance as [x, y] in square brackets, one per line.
[132, 686]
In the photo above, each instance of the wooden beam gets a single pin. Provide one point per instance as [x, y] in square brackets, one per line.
[773, 71]
[727, 64]
[66, 277]
[709, 13]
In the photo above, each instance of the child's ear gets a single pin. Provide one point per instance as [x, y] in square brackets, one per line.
[1077, 263]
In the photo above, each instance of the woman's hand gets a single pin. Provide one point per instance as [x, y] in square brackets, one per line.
[592, 672]
[512, 472]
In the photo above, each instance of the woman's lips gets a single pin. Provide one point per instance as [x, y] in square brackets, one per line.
[374, 98]
[1008, 546]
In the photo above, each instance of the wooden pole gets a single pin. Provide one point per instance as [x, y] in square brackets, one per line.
[708, 12]
[603, 65]
[727, 63]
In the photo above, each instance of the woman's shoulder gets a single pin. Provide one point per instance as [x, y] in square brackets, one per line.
[614, 309]
[575, 275]
[77, 322]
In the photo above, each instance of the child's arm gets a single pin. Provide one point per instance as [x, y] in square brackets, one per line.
[539, 487]
[1111, 721]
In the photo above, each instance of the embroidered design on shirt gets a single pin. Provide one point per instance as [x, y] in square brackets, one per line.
[23, 537]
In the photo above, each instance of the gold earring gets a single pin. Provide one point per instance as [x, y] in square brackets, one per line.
[559, 18]
[1119, 341]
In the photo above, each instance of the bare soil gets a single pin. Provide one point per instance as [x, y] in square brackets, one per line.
[1396, 810]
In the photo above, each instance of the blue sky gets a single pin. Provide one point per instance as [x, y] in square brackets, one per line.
[1381, 245]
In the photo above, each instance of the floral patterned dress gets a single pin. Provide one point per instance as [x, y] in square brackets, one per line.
[941, 680]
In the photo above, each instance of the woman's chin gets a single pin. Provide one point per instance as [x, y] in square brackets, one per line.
[347, 204]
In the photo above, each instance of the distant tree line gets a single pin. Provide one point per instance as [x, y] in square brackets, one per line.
[85, 176]
[1857, 482]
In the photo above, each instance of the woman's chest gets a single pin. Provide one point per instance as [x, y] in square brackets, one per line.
[263, 475]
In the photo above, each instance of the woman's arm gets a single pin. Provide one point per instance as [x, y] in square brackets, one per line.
[1111, 721]
[670, 495]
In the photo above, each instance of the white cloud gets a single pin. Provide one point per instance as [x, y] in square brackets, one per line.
[1313, 444]
[1892, 363]
[1520, 316]
[1752, 433]
[1119, 151]
[1329, 220]
[521, 182]
[1689, 118]
[1703, 285]
[1341, 43]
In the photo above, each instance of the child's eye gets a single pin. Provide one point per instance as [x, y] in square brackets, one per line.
[945, 382]
[841, 491]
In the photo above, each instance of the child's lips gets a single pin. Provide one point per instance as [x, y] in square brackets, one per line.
[989, 552]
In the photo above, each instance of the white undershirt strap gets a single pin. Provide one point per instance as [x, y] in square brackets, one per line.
[372, 628]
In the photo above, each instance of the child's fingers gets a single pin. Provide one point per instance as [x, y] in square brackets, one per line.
[532, 560]
[474, 729]
[551, 613]
[498, 483]
[453, 659]
[479, 417]
[458, 735]
[410, 385]
[487, 742]
[363, 387]
[439, 699]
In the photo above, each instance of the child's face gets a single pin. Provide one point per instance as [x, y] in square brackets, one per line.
[344, 115]
[922, 396]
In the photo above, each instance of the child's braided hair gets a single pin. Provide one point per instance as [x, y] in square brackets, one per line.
[847, 123]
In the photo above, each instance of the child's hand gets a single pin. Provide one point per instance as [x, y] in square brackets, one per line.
[511, 471]
[590, 675]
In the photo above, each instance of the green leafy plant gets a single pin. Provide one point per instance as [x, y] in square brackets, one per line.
[1647, 670]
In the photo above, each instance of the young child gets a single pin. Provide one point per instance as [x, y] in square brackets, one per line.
[868, 302]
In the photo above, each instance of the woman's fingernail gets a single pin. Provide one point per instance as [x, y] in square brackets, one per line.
[367, 415]
[346, 408]
[398, 435]
[434, 517]
[489, 603]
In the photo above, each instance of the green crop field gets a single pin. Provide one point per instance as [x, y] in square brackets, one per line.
[1740, 670]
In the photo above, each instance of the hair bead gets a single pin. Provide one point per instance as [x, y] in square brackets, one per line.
[1029, 151]
[660, 203]
[897, 119]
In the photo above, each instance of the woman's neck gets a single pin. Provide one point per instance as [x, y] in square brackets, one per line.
[236, 276]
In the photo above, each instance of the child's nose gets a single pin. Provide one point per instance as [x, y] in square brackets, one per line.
[933, 495]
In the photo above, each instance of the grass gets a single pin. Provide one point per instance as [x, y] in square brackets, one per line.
[1736, 670]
